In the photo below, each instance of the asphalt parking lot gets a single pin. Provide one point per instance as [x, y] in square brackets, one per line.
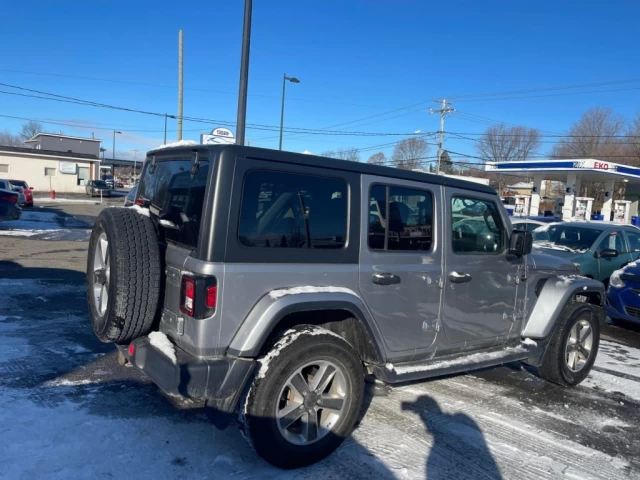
[68, 410]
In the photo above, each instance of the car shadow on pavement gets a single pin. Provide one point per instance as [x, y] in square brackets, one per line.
[459, 449]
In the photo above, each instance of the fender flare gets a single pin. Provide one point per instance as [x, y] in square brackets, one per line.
[552, 298]
[265, 315]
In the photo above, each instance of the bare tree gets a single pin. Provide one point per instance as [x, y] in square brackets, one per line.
[598, 134]
[409, 154]
[508, 144]
[633, 142]
[351, 154]
[31, 129]
[377, 159]
[7, 139]
[595, 135]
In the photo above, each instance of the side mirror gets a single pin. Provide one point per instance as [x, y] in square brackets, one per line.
[608, 253]
[520, 243]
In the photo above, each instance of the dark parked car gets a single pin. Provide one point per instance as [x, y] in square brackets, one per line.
[9, 209]
[623, 295]
[27, 190]
[98, 187]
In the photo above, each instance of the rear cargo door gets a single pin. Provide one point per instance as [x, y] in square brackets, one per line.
[173, 188]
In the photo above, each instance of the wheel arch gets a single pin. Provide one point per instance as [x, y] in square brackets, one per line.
[342, 313]
[552, 298]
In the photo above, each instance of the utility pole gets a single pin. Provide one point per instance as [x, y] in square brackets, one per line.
[444, 109]
[180, 86]
[244, 73]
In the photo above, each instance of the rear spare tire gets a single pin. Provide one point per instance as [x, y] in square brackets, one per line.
[123, 275]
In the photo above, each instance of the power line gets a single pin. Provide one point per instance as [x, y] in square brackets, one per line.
[147, 84]
[545, 89]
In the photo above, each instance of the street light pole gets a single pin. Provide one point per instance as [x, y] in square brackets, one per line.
[244, 73]
[113, 153]
[284, 83]
[165, 126]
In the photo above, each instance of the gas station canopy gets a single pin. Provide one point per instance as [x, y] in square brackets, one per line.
[572, 172]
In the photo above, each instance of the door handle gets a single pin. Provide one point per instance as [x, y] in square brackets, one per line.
[455, 277]
[385, 279]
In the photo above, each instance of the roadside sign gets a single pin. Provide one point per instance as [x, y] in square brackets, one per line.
[218, 136]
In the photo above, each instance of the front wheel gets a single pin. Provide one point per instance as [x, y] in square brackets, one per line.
[573, 347]
[305, 399]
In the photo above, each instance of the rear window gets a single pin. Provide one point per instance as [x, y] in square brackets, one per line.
[285, 210]
[176, 195]
[19, 183]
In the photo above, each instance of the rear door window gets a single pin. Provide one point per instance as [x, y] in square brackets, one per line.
[287, 210]
[176, 195]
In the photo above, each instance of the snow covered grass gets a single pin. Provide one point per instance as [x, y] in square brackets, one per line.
[63, 200]
[275, 294]
[162, 343]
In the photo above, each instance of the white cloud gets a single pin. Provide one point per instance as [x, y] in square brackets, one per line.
[307, 152]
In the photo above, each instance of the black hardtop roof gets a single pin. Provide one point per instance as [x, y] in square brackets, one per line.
[325, 162]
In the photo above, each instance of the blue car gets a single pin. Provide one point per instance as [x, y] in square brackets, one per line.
[623, 294]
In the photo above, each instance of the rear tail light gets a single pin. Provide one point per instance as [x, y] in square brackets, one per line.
[212, 296]
[9, 198]
[188, 296]
[198, 295]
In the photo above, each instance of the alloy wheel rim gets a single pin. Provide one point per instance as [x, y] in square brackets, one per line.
[311, 403]
[579, 345]
[101, 274]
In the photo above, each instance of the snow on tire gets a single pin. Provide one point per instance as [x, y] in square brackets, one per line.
[123, 275]
[305, 398]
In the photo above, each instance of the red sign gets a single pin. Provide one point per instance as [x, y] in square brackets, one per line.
[601, 165]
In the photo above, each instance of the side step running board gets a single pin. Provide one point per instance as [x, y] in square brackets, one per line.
[409, 371]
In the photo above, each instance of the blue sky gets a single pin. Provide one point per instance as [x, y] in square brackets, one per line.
[355, 59]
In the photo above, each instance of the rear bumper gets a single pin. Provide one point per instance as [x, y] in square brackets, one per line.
[217, 380]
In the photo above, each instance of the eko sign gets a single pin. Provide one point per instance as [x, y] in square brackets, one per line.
[595, 165]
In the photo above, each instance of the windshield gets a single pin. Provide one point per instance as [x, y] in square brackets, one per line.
[100, 184]
[565, 237]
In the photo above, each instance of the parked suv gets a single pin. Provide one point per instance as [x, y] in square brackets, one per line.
[270, 284]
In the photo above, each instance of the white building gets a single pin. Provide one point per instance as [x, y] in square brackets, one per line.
[46, 170]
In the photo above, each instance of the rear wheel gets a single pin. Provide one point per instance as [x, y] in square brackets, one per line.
[305, 399]
[123, 275]
[573, 347]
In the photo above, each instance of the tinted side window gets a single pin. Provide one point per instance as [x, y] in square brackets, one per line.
[285, 210]
[410, 214]
[177, 196]
[476, 226]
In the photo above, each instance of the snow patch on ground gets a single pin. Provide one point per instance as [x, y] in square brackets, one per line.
[180, 143]
[162, 343]
[275, 294]
[63, 200]
[468, 360]
[141, 210]
[64, 382]
[611, 384]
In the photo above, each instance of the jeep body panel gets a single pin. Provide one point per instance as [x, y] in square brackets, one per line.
[482, 310]
[406, 312]
[548, 297]
[265, 315]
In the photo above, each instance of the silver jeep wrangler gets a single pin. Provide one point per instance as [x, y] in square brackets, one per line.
[270, 284]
